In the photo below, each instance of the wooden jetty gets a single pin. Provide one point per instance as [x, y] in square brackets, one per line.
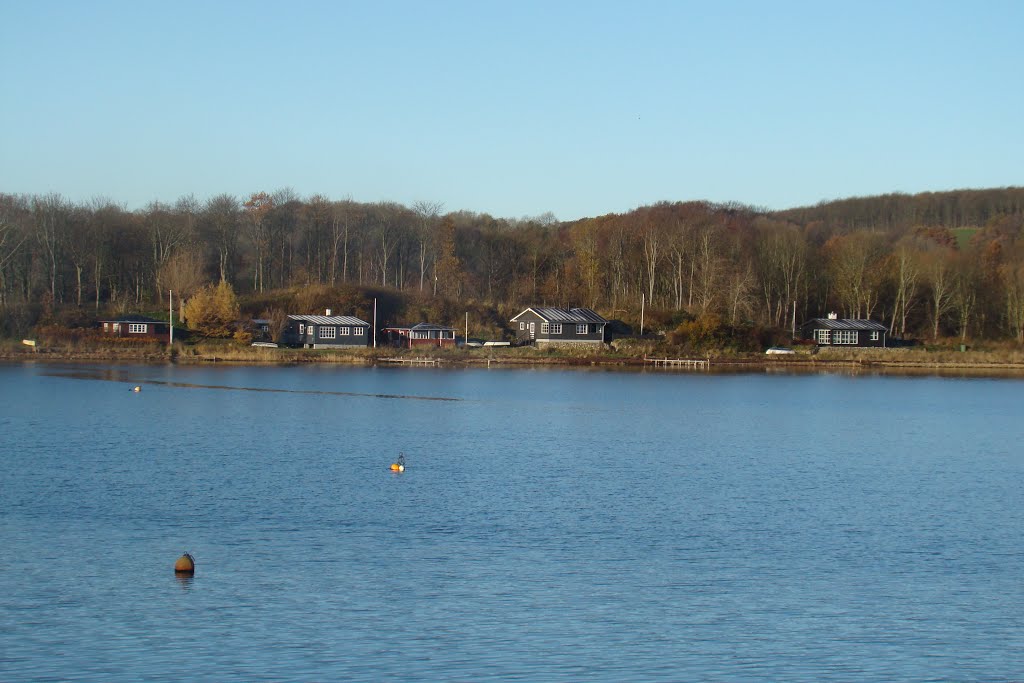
[687, 363]
[412, 361]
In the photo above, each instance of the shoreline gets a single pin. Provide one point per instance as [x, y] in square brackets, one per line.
[909, 362]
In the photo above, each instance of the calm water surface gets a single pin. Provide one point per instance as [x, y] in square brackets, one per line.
[552, 525]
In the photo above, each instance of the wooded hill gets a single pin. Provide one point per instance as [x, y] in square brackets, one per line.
[929, 265]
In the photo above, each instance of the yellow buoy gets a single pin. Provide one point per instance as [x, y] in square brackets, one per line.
[395, 467]
[186, 564]
[137, 389]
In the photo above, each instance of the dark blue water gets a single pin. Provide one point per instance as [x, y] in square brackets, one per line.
[551, 526]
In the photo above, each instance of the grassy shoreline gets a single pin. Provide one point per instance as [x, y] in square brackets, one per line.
[991, 361]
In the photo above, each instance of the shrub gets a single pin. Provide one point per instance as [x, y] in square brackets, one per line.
[710, 333]
[213, 311]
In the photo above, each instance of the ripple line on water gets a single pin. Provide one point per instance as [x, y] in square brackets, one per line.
[224, 387]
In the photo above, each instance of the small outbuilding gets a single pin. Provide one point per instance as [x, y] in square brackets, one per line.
[546, 325]
[326, 331]
[421, 334]
[136, 327]
[836, 331]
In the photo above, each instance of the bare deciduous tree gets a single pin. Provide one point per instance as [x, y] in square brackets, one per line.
[938, 274]
[257, 208]
[220, 220]
[427, 213]
[183, 273]
[51, 214]
[906, 272]
[854, 263]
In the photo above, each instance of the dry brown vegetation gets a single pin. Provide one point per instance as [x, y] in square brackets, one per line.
[710, 278]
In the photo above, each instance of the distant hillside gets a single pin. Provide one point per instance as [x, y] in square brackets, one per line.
[901, 212]
[929, 265]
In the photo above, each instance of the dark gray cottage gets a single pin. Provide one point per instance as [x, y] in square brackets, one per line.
[545, 325]
[325, 331]
[835, 331]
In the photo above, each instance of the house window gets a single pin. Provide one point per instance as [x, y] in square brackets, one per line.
[874, 335]
[137, 328]
[522, 326]
[420, 334]
[544, 328]
[328, 332]
[106, 327]
[345, 331]
[358, 331]
[448, 334]
[824, 336]
[556, 328]
[845, 337]
[581, 329]
[302, 329]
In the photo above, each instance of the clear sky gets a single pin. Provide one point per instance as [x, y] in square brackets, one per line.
[510, 108]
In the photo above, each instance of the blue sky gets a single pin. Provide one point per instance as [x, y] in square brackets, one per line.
[510, 108]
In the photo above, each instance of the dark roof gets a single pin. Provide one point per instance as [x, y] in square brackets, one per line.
[134, 318]
[845, 324]
[421, 327]
[561, 315]
[330, 320]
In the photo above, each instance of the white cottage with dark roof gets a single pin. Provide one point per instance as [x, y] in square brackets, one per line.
[836, 331]
[546, 325]
[326, 331]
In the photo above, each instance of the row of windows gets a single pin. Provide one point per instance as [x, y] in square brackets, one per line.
[556, 328]
[845, 337]
[842, 336]
[442, 334]
[327, 332]
[133, 328]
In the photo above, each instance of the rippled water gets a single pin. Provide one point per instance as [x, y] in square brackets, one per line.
[552, 525]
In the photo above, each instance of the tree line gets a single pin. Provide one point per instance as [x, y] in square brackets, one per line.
[929, 265]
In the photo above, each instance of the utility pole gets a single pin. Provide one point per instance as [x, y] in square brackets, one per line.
[170, 312]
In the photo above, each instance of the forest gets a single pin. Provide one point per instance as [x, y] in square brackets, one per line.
[944, 265]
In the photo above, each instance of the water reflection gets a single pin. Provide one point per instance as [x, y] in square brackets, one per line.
[115, 375]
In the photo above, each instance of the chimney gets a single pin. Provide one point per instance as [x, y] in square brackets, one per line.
[831, 316]
[328, 312]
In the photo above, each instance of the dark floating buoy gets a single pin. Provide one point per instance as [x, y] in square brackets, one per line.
[185, 566]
